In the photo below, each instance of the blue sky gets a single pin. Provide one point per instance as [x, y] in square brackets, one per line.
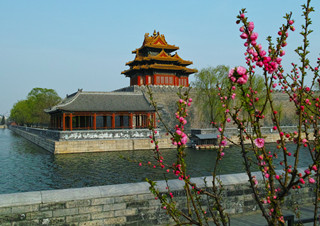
[66, 45]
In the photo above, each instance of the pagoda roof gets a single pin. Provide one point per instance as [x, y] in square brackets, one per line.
[156, 41]
[102, 101]
[162, 56]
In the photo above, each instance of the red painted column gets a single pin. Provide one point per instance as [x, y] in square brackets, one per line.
[187, 81]
[95, 121]
[154, 79]
[113, 120]
[131, 121]
[64, 121]
[138, 80]
[70, 122]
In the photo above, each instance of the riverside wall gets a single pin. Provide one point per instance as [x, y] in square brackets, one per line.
[124, 204]
[66, 142]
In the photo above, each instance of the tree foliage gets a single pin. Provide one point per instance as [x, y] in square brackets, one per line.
[31, 110]
[3, 120]
[208, 94]
[206, 87]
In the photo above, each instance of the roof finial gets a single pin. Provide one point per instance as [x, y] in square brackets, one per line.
[154, 33]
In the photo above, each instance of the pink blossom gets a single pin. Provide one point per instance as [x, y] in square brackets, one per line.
[277, 177]
[254, 36]
[244, 36]
[242, 29]
[178, 132]
[190, 100]
[228, 119]
[231, 72]
[250, 26]
[238, 75]
[314, 168]
[311, 180]
[184, 140]
[224, 143]
[259, 142]
[242, 80]
[241, 70]
[304, 140]
[302, 181]
[291, 22]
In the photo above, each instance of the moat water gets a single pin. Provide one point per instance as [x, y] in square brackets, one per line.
[27, 167]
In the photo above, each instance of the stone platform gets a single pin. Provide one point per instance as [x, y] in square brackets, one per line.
[65, 142]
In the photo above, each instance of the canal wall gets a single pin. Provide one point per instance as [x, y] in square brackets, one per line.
[124, 204]
[65, 142]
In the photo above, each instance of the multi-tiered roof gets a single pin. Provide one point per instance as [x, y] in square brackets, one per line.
[155, 64]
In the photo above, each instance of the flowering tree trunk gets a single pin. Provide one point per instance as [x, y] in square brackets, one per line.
[275, 185]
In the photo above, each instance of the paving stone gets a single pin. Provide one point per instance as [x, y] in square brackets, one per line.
[78, 203]
[102, 215]
[18, 199]
[90, 209]
[92, 223]
[25, 209]
[102, 201]
[56, 220]
[25, 223]
[52, 206]
[77, 218]
[126, 199]
[65, 212]
[37, 215]
[126, 212]
[5, 210]
[116, 206]
[64, 195]
[115, 220]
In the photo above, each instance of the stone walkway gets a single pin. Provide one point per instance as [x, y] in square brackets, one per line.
[255, 219]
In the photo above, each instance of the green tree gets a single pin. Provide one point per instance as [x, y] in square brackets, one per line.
[207, 98]
[40, 99]
[31, 110]
[3, 120]
[21, 113]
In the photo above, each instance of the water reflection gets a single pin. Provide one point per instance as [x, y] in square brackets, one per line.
[27, 167]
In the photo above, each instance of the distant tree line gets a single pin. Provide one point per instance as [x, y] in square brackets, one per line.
[207, 97]
[3, 120]
[30, 112]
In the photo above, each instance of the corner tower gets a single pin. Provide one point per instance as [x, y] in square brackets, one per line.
[156, 63]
